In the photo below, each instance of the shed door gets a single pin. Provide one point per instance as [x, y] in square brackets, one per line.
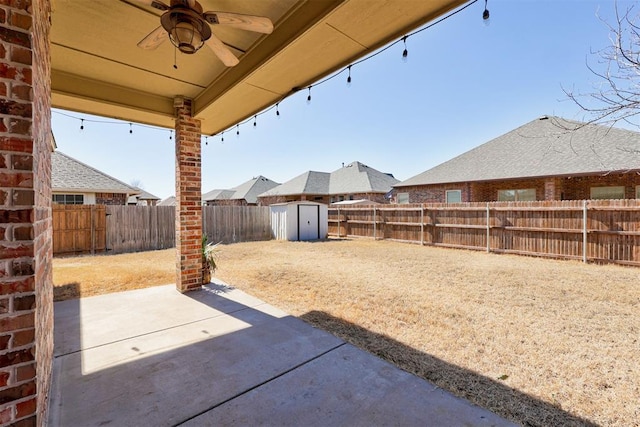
[308, 222]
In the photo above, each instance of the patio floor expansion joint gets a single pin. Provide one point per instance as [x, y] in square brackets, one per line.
[283, 373]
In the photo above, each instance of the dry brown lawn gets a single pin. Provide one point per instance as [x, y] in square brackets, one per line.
[538, 341]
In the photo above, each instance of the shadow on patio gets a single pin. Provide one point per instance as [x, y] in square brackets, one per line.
[221, 357]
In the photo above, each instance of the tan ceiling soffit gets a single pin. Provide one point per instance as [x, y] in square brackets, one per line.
[294, 26]
[231, 80]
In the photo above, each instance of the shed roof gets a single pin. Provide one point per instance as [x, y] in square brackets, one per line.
[355, 177]
[69, 174]
[547, 146]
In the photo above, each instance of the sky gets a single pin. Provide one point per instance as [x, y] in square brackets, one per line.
[463, 84]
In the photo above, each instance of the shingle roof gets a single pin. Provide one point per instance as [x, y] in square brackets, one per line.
[69, 174]
[352, 178]
[548, 146]
[169, 201]
[246, 191]
[142, 196]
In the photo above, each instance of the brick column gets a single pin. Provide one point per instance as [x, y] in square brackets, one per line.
[26, 289]
[188, 198]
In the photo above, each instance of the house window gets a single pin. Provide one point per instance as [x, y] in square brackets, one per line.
[68, 199]
[453, 196]
[615, 192]
[341, 198]
[526, 195]
[333, 199]
[403, 198]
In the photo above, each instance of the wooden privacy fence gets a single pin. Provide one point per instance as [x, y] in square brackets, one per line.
[90, 229]
[140, 228]
[593, 230]
[79, 229]
[231, 224]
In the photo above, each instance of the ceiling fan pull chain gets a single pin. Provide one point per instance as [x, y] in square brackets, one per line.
[175, 57]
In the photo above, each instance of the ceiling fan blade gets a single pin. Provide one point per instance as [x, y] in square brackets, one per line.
[221, 51]
[153, 39]
[157, 4]
[257, 24]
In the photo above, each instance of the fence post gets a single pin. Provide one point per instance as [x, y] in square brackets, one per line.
[374, 222]
[584, 231]
[488, 228]
[93, 230]
[422, 225]
[338, 222]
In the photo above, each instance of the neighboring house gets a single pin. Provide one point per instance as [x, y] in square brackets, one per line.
[143, 199]
[75, 183]
[549, 158]
[169, 201]
[351, 182]
[243, 195]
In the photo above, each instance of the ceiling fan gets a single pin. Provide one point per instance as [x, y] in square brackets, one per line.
[187, 27]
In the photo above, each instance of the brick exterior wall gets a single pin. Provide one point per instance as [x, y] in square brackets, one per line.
[26, 289]
[555, 188]
[111, 199]
[433, 193]
[188, 198]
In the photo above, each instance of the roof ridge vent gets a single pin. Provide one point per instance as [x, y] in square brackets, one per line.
[545, 117]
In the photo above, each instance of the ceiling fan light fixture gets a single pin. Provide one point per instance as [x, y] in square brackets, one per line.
[186, 30]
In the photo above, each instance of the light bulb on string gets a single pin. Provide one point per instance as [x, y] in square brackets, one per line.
[81, 124]
[309, 96]
[222, 139]
[405, 52]
[206, 140]
[349, 77]
[485, 14]
[130, 128]
[238, 130]
[277, 110]
[255, 121]
[170, 135]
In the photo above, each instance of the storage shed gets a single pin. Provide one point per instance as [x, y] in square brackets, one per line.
[299, 221]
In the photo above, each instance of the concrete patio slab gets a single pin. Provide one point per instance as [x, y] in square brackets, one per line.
[221, 357]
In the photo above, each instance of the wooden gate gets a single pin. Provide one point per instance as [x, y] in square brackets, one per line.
[79, 229]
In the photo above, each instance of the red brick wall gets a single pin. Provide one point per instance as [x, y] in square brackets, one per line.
[188, 198]
[111, 199]
[433, 193]
[574, 188]
[26, 290]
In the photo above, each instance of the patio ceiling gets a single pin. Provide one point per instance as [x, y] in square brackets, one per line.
[97, 67]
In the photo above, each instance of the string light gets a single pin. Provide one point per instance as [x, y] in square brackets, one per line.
[309, 96]
[130, 128]
[170, 135]
[277, 110]
[485, 14]
[349, 77]
[255, 121]
[206, 140]
[238, 129]
[222, 139]
[82, 124]
[405, 52]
